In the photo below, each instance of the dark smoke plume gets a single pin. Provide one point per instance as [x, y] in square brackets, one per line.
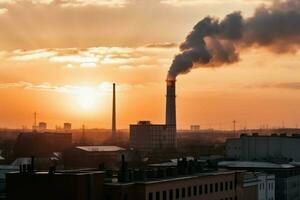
[213, 43]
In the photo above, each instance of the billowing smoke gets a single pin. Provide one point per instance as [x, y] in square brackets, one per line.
[214, 42]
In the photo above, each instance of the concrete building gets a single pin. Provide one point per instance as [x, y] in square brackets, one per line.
[226, 185]
[42, 126]
[287, 178]
[145, 136]
[67, 126]
[93, 156]
[259, 147]
[63, 185]
[41, 144]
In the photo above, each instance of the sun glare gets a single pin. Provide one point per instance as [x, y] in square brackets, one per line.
[86, 98]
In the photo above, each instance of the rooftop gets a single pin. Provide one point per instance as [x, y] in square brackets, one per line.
[254, 164]
[100, 148]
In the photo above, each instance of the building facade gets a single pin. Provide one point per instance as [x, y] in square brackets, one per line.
[145, 136]
[256, 147]
[206, 186]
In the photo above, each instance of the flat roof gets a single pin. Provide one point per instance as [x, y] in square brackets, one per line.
[254, 164]
[100, 148]
[176, 178]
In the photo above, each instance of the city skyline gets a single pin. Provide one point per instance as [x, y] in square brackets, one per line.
[62, 63]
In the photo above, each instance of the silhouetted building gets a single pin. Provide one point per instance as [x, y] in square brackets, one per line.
[92, 156]
[287, 176]
[145, 136]
[52, 185]
[67, 126]
[258, 147]
[41, 144]
[42, 126]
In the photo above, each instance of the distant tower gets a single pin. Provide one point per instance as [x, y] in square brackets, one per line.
[114, 129]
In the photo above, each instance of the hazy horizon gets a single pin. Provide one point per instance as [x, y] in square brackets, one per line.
[60, 58]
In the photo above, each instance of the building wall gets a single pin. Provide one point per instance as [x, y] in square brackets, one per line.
[83, 186]
[259, 147]
[206, 187]
[266, 187]
[149, 137]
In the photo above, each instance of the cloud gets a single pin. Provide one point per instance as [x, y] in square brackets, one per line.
[21, 55]
[81, 3]
[162, 45]
[102, 88]
[3, 11]
[149, 55]
[288, 85]
[201, 2]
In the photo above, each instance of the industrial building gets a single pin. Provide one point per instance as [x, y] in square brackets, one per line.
[188, 180]
[287, 177]
[41, 144]
[262, 147]
[93, 156]
[58, 185]
[145, 136]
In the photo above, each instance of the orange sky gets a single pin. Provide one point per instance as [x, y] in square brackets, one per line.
[59, 58]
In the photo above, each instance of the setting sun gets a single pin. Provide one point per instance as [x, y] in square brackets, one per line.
[86, 98]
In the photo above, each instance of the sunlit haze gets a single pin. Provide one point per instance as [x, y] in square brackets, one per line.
[60, 58]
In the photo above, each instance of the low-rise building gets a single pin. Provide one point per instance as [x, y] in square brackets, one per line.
[93, 156]
[287, 178]
[259, 147]
[70, 185]
[148, 137]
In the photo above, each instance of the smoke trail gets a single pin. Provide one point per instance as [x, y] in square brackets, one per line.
[213, 43]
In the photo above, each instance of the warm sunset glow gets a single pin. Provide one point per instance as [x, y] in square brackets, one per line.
[60, 58]
[86, 98]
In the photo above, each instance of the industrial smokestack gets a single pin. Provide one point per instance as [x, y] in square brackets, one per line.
[114, 129]
[171, 102]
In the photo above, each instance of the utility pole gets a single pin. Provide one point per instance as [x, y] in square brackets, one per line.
[34, 122]
[234, 127]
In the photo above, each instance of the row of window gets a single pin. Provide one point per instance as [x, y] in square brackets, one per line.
[192, 191]
[262, 186]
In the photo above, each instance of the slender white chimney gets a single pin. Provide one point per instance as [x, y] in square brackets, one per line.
[171, 102]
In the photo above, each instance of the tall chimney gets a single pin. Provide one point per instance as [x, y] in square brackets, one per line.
[113, 129]
[171, 102]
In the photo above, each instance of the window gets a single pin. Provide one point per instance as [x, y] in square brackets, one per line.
[235, 198]
[189, 191]
[205, 188]
[221, 186]
[164, 195]
[226, 185]
[177, 193]
[170, 194]
[125, 197]
[216, 187]
[230, 185]
[183, 192]
[226, 198]
[200, 190]
[150, 196]
[157, 196]
[211, 188]
[195, 190]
